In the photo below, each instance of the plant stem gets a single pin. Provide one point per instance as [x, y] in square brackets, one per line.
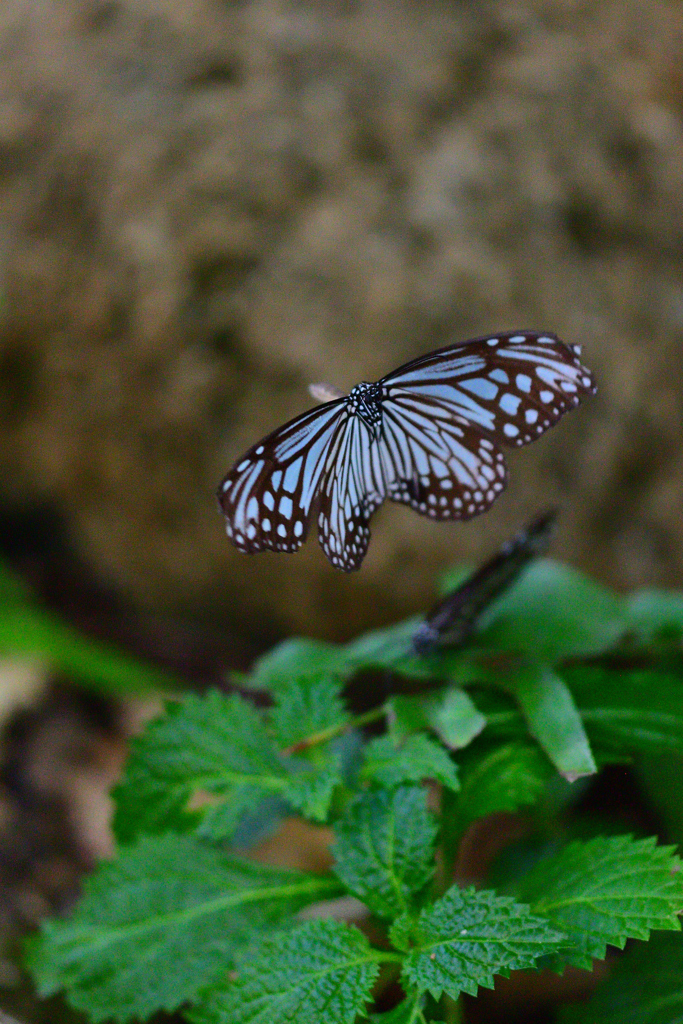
[336, 730]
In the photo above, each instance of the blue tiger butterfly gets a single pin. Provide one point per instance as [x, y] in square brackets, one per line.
[426, 435]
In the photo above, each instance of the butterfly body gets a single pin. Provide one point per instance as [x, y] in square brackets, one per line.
[426, 435]
[365, 401]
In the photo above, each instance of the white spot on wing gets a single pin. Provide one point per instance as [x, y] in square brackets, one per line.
[510, 404]
[510, 430]
[480, 387]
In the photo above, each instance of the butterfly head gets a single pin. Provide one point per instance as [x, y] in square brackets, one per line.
[364, 401]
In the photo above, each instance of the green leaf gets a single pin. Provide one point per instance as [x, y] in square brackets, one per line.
[160, 923]
[26, 631]
[319, 973]
[452, 714]
[660, 778]
[384, 849]
[383, 648]
[644, 987]
[624, 711]
[467, 937]
[311, 791]
[456, 719]
[410, 760]
[551, 714]
[307, 706]
[504, 779]
[546, 702]
[402, 932]
[553, 612]
[294, 659]
[259, 824]
[300, 657]
[605, 891]
[629, 710]
[655, 613]
[407, 714]
[213, 743]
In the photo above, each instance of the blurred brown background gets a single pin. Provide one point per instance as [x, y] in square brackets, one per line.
[206, 205]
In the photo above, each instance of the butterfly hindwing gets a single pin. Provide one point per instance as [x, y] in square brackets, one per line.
[352, 489]
[267, 496]
[435, 464]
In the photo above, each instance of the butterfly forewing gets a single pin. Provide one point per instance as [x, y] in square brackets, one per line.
[512, 387]
[267, 496]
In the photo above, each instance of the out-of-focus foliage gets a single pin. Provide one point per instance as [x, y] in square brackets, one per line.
[175, 920]
[29, 631]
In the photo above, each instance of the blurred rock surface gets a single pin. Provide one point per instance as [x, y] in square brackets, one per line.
[204, 206]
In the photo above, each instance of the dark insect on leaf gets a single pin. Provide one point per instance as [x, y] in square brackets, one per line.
[452, 620]
[427, 435]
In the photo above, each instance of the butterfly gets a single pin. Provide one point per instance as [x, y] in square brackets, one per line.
[427, 435]
[453, 619]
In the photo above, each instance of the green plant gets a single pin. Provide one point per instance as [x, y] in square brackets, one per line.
[561, 676]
